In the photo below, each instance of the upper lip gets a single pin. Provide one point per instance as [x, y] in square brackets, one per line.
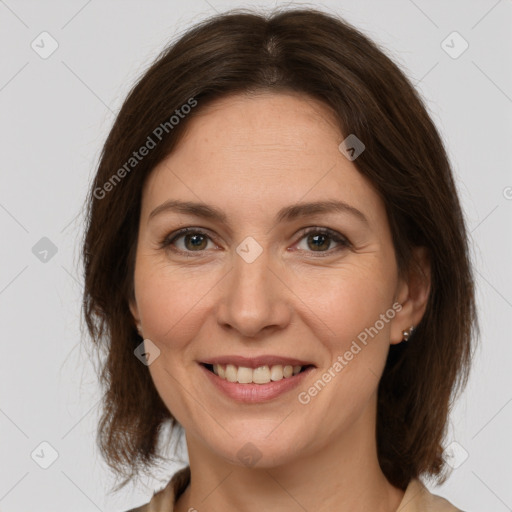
[256, 362]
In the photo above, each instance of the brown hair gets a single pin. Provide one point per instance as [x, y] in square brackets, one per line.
[318, 55]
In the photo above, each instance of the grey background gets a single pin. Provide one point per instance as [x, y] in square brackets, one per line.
[55, 115]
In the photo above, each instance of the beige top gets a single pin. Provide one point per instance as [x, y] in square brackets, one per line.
[417, 497]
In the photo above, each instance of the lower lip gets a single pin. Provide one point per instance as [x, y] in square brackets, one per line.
[256, 393]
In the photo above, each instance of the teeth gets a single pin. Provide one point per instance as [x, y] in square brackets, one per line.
[261, 375]
[244, 375]
[231, 372]
[276, 372]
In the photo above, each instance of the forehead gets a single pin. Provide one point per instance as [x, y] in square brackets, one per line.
[271, 124]
[266, 149]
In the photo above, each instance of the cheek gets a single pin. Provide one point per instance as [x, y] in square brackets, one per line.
[354, 314]
[170, 302]
[171, 307]
[349, 301]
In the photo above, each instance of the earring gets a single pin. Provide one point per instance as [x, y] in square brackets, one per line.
[408, 334]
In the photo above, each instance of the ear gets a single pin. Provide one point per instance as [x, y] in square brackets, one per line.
[412, 293]
[135, 312]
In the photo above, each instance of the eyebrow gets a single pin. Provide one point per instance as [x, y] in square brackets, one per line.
[288, 213]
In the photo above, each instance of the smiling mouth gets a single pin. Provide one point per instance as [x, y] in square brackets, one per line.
[261, 375]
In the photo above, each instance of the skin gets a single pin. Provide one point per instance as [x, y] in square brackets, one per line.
[251, 156]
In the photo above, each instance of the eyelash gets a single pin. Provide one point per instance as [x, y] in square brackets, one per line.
[169, 240]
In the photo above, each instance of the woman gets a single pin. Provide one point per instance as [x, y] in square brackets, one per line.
[277, 263]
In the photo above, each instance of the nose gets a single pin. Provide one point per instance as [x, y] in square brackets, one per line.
[254, 298]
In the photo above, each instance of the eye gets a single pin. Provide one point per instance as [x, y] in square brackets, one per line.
[194, 240]
[320, 239]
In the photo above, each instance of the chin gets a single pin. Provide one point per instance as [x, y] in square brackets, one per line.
[255, 448]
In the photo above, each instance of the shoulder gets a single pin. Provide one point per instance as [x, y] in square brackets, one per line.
[164, 499]
[418, 498]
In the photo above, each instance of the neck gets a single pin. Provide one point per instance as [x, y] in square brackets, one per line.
[343, 475]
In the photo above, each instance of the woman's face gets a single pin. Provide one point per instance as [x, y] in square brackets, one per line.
[254, 282]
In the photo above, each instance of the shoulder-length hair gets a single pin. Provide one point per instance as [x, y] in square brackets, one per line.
[319, 55]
